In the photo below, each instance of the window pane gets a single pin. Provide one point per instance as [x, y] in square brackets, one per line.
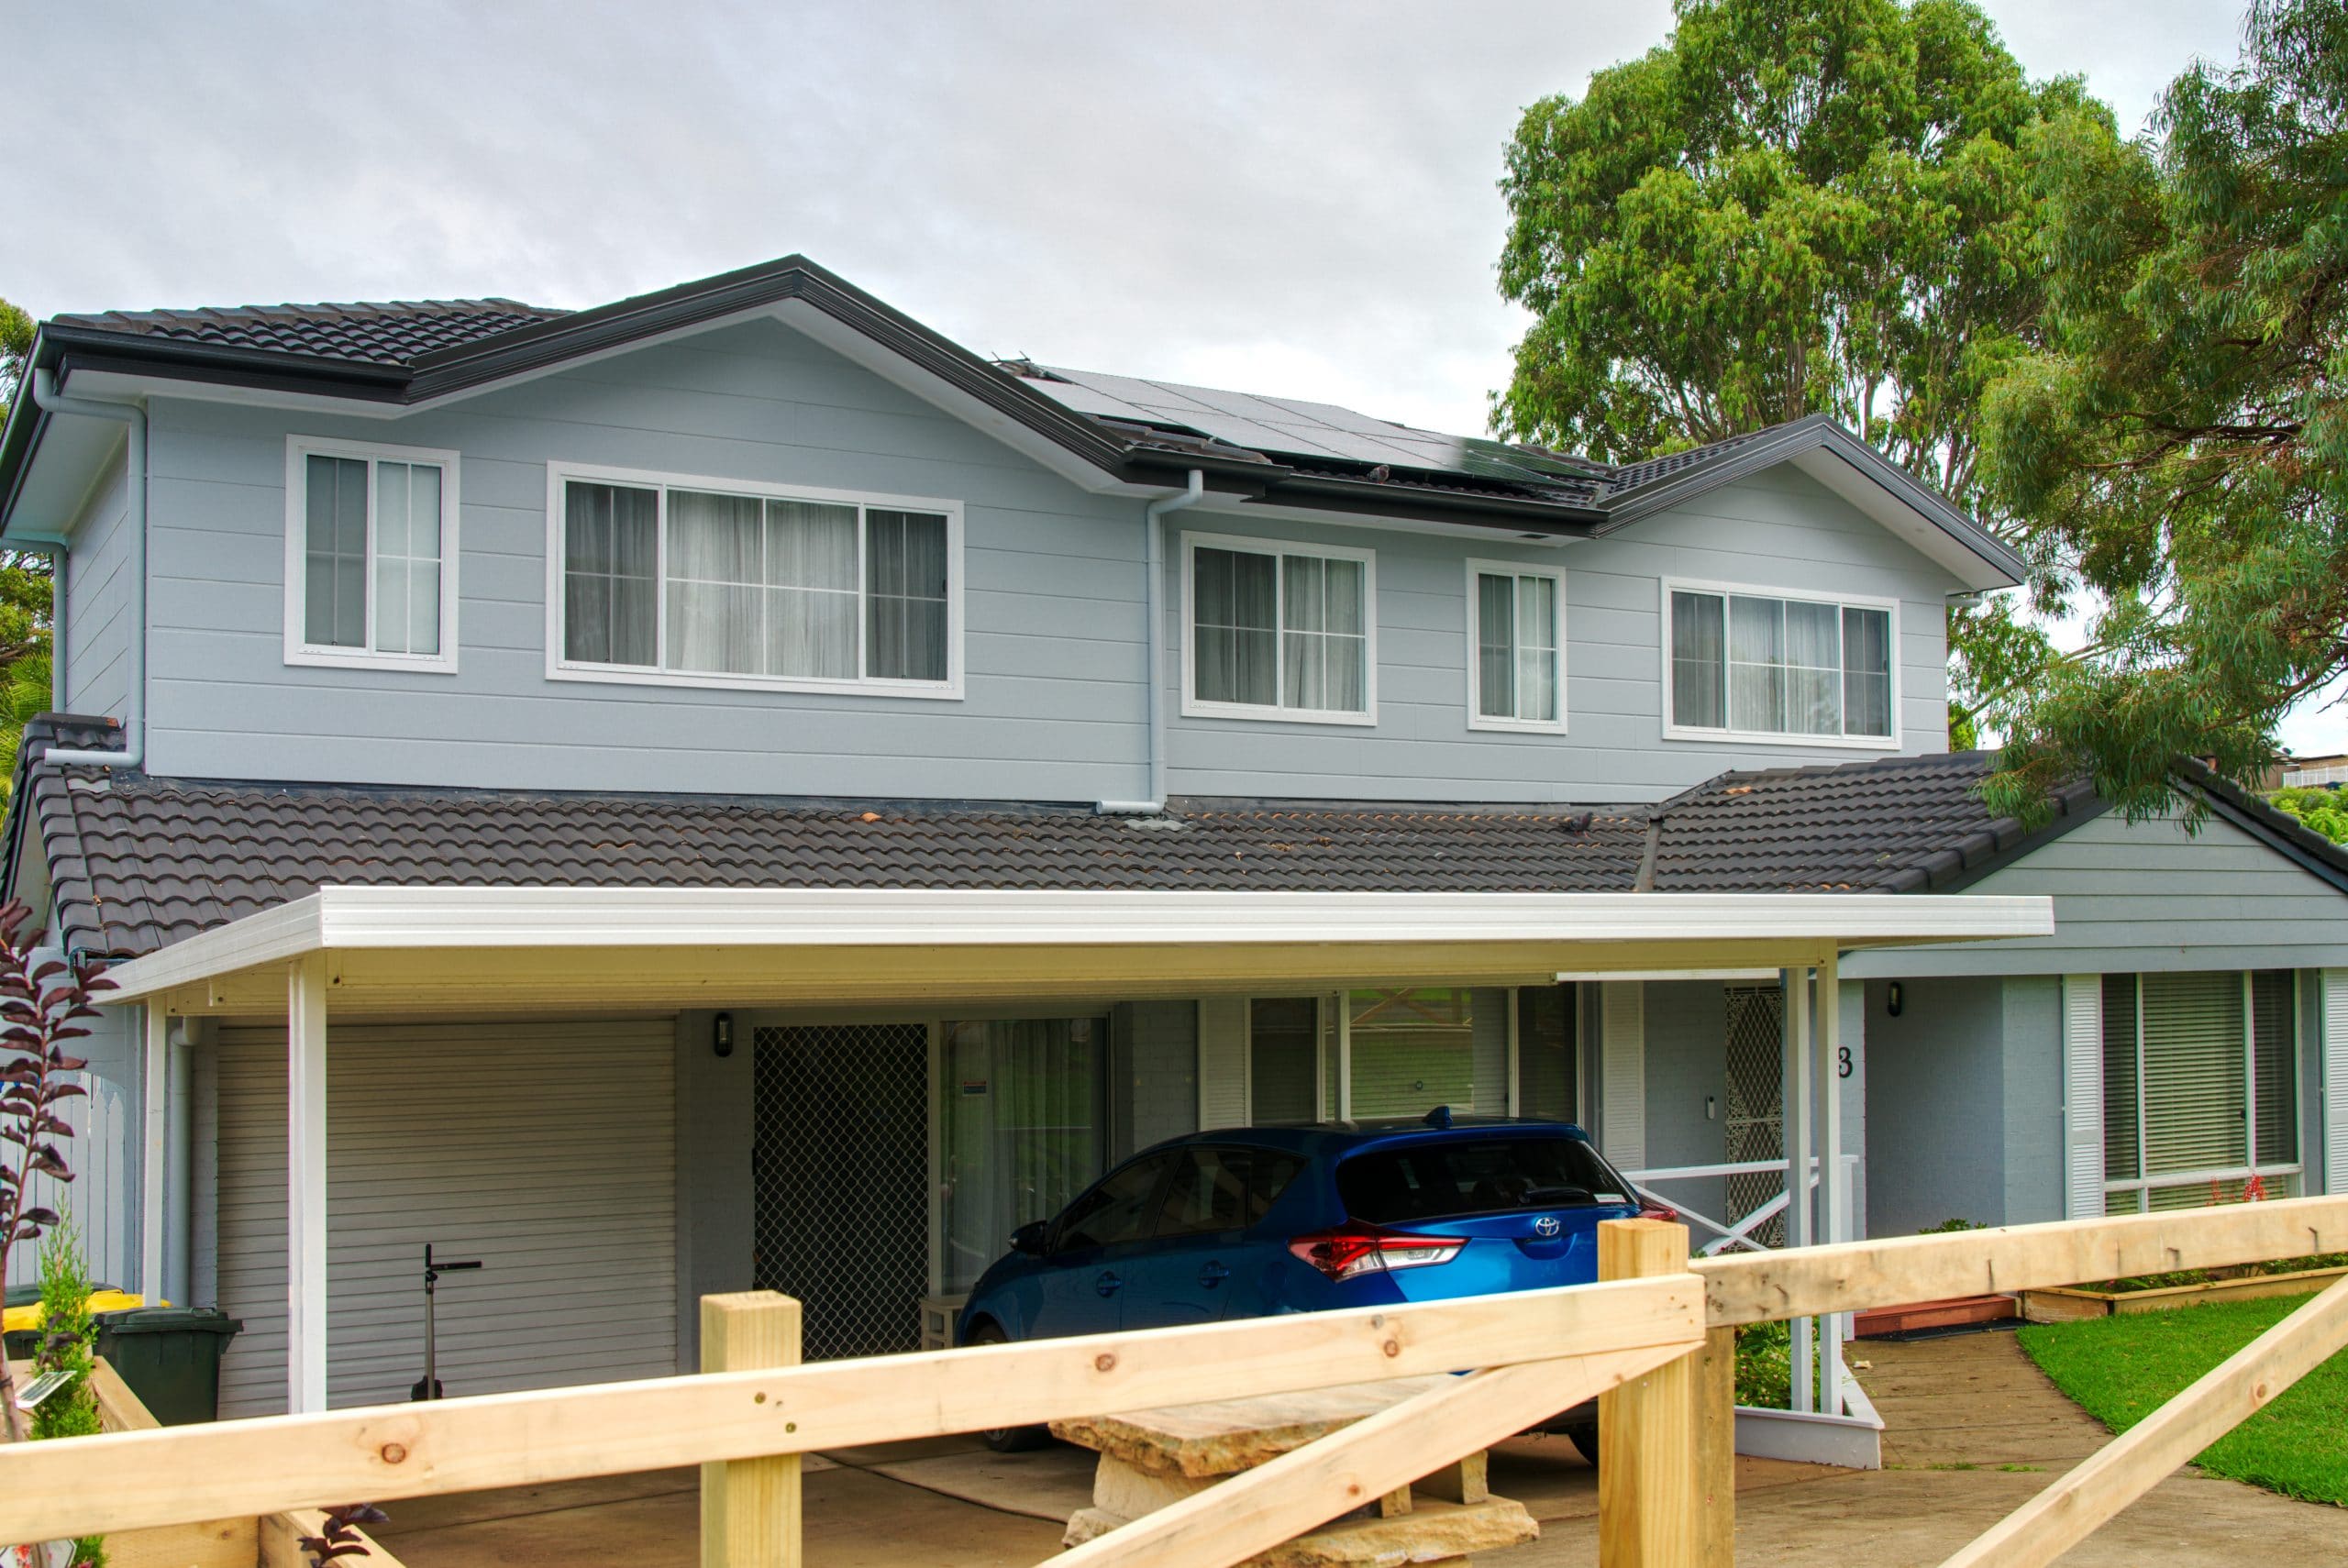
[407, 558]
[1022, 1130]
[1546, 1056]
[1698, 684]
[2121, 1159]
[1495, 647]
[610, 553]
[905, 572]
[1756, 657]
[334, 607]
[1413, 1050]
[2274, 1052]
[2195, 1097]
[716, 563]
[1866, 672]
[1236, 646]
[1814, 673]
[1537, 658]
[1283, 1059]
[1117, 1210]
[1326, 649]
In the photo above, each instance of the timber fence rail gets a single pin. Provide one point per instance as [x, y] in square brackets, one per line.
[1654, 1346]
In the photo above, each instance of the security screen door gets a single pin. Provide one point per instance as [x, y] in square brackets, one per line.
[1757, 1101]
[840, 1216]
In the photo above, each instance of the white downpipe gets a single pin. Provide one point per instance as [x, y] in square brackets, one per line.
[1798, 1152]
[134, 718]
[179, 1161]
[1154, 606]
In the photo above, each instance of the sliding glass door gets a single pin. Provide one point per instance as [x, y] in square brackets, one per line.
[1022, 1130]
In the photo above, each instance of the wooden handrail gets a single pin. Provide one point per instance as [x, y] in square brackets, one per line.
[1853, 1276]
[88, 1485]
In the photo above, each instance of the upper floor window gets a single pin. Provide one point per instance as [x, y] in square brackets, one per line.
[1279, 631]
[370, 555]
[1779, 668]
[1516, 673]
[719, 583]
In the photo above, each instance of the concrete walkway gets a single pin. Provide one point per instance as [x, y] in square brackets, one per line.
[1972, 1431]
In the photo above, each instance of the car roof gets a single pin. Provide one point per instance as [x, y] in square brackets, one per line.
[1337, 1137]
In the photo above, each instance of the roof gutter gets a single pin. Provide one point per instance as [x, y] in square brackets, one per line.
[134, 719]
[1154, 606]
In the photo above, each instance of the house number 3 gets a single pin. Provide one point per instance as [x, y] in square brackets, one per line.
[1841, 1061]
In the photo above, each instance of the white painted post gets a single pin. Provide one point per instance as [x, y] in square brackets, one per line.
[154, 1154]
[305, 1185]
[1794, 1123]
[1833, 1196]
[1345, 1056]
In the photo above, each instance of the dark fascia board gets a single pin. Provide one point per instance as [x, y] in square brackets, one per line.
[1818, 431]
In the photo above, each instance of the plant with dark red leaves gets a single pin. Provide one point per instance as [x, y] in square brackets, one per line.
[42, 1006]
[341, 1538]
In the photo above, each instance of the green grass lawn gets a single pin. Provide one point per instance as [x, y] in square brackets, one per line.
[2121, 1369]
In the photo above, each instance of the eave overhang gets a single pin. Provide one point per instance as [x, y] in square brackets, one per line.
[418, 950]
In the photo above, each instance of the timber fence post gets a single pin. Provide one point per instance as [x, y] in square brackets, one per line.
[1650, 1497]
[749, 1507]
[1715, 1395]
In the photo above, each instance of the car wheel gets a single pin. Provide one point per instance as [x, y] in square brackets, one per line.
[1007, 1440]
[1585, 1441]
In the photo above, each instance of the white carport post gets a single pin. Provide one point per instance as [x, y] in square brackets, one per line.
[154, 1148]
[1834, 1199]
[305, 1185]
[1795, 1135]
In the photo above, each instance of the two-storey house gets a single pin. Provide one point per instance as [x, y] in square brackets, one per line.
[729, 788]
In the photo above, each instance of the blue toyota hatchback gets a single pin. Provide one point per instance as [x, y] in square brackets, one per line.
[1247, 1222]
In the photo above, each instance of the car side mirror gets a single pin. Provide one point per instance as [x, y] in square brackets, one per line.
[1029, 1238]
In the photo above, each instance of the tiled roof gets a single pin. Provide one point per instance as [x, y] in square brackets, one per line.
[395, 333]
[137, 863]
[1893, 826]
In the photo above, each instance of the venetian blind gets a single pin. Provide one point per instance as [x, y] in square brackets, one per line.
[2194, 1089]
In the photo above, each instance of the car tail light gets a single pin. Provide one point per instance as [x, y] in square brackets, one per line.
[1363, 1249]
[1651, 1209]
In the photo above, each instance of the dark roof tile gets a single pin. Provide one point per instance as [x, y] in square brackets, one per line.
[394, 333]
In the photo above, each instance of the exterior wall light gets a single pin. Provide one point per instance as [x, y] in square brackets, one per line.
[1892, 1002]
[721, 1034]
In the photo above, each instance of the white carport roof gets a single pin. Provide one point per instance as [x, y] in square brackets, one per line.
[389, 950]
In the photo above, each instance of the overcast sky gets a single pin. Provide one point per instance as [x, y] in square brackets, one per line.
[1291, 196]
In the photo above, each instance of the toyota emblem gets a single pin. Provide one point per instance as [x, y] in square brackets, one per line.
[1546, 1226]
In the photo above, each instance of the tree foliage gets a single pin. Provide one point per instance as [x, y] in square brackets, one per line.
[25, 580]
[1794, 206]
[2180, 443]
[2325, 811]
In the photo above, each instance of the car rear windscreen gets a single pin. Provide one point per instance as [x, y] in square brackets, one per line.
[1480, 1175]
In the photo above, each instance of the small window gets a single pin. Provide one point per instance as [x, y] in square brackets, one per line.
[1744, 664]
[1269, 1172]
[1118, 1209]
[698, 584]
[1279, 631]
[370, 555]
[1516, 670]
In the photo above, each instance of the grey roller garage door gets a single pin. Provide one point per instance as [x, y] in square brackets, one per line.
[545, 1150]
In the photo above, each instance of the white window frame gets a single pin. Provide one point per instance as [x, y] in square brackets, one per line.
[1194, 707]
[2144, 1185]
[1477, 718]
[299, 649]
[661, 483]
[1673, 730]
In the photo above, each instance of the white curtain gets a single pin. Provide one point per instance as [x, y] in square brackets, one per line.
[1023, 1135]
[1495, 647]
[1813, 668]
[1537, 650]
[1756, 664]
[1697, 652]
[811, 606]
[717, 564]
[1323, 632]
[1866, 672]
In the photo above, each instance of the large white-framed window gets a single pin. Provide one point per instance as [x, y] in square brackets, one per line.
[1742, 664]
[1276, 630]
[2201, 1088]
[370, 555]
[676, 579]
[1516, 648]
